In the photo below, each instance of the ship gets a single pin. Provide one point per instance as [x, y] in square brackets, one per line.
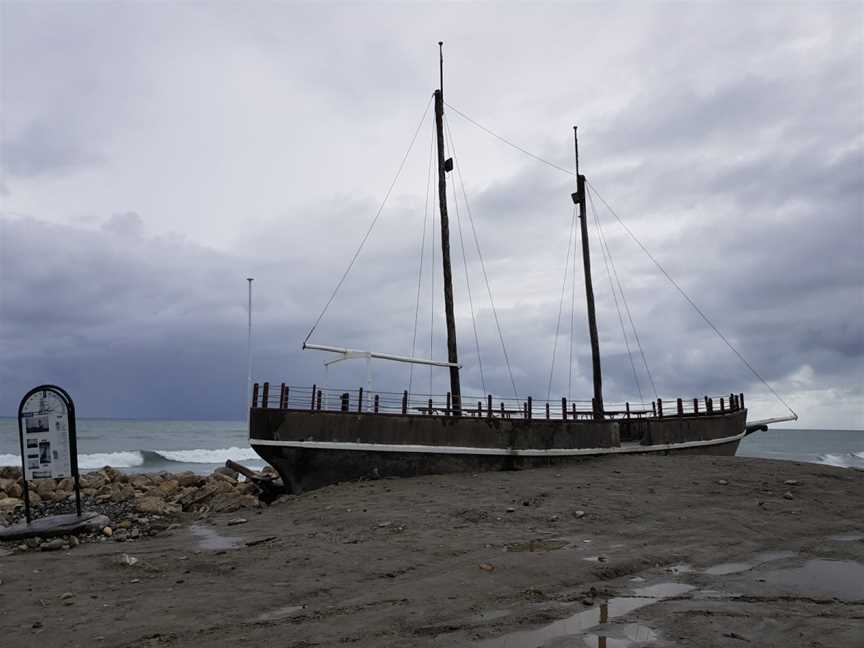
[315, 436]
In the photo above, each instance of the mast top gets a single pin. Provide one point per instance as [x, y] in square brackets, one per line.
[441, 66]
[576, 140]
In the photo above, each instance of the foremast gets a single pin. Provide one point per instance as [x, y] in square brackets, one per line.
[579, 199]
[443, 167]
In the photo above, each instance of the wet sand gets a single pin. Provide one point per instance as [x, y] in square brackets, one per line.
[671, 551]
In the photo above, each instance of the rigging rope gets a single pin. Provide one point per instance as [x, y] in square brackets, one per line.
[570, 245]
[420, 270]
[607, 256]
[690, 301]
[624, 299]
[371, 226]
[467, 280]
[508, 142]
[435, 201]
[483, 267]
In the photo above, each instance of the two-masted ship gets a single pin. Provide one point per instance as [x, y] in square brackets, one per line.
[315, 437]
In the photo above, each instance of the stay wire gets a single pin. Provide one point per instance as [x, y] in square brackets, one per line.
[561, 302]
[508, 142]
[572, 321]
[467, 279]
[371, 226]
[607, 256]
[624, 299]
[483, 268]
[420, 270]
[692, 303]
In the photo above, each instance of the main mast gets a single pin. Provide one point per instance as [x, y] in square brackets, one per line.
[579, 198]
[443, 167]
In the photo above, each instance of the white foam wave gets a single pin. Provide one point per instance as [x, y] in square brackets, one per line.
[217, 456]
[136, 458]
[847, 460]
[122, 459]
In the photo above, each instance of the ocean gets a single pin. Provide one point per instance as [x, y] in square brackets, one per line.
[201, 446]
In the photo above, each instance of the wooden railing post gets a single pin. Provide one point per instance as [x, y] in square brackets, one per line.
[503, 413]
[741, 400]
[530, 407]
[695, 405]
[722, 404]
[282, 396]
[479, 409]
[732, 404]
[344, 404]
[627, 408]
[489, 405]
[660, 407]
[710, 405]
[563, 408]
[265, 395]
[360, 400]
[376, 404]
[654, 408]
[405, 402]
[430, 407]
[547, 410]
[680, 404]
[318, 401]
[255, 395]
[314, 395]
[447, 409]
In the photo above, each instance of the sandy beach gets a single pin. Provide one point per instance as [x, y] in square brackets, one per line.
[695, 551]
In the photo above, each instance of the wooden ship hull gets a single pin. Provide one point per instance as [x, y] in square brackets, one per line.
[311, 448]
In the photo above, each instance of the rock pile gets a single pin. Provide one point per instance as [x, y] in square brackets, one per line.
[137, 504]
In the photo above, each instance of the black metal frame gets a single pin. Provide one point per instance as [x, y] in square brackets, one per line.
[73, 443]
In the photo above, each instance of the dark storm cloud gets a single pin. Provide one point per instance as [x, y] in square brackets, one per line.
[733, 149]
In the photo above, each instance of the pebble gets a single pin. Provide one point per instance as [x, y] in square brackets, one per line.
[510, 509]
[52, 545]
[788, 495]
[554, 518]
[578, 514]
[791, 482]
[126, 559]
[487, 567]
[722, 482]
[66, 595]
[237, 521]
[107, 532]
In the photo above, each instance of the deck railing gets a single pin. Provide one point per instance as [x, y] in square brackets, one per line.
[289, 397]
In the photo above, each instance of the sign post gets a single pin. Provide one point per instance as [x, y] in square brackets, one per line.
[46, 431]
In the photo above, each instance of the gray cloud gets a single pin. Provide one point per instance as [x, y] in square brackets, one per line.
[161, 165]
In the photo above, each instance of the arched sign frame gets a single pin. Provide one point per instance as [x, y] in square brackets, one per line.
[38, 449]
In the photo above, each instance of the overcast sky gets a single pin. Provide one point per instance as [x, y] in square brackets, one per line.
[154, 155]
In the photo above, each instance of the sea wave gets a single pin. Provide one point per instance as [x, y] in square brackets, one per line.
[150, 458]
[845, 460]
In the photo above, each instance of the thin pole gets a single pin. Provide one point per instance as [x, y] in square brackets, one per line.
[579, 199]
[452, 354]
[249, 348]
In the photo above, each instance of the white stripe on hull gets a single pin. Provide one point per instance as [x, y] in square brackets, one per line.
[511, 452]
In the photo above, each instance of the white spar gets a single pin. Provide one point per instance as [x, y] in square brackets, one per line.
[383, 356]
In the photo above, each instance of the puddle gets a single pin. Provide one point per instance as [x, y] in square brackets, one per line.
[759, 559]
[574, 626]
[663, 590]
[538, 545]
[847, 538]
[210, 539]
[630, 634]
[841, 578]
[279, 613]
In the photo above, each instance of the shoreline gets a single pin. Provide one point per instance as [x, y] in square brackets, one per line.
[456, 560]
